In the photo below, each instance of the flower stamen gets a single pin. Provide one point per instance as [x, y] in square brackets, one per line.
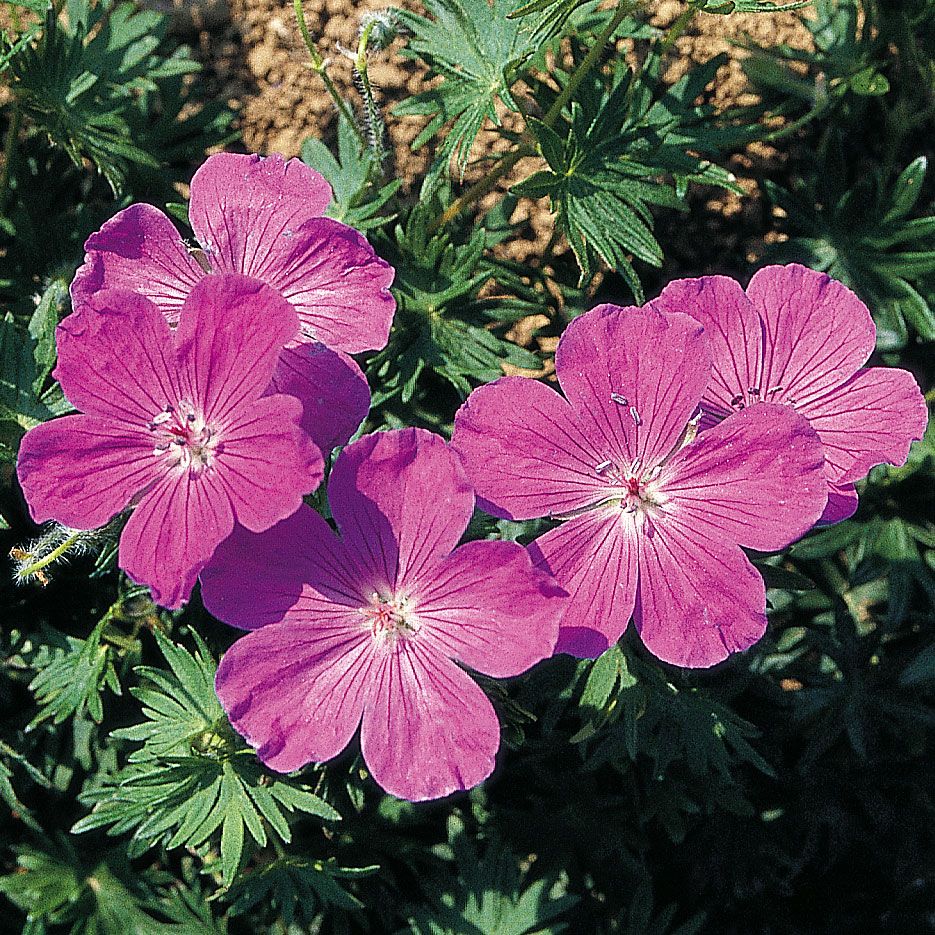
[181, 434]
[389, 619]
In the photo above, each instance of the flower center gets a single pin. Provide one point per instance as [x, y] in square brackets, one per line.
[181, 436]
[632, 487]
[389, 619]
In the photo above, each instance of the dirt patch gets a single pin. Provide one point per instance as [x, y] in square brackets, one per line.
[289, 102]
[257, 60]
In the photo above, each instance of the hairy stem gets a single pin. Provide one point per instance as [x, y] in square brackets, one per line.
[371, 111]
[29, 571]
[318, 63]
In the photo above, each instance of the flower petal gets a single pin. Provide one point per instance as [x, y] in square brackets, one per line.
[699, 599]
[593, 557]
[140, 250]
[229, 338]
[298, 571]
[115, 358]
[266, 462]
[524, 451]
[172, 533]
[333, 391]
[81, 471]
[634, 377]
[842, 504]
[401, 501]
[871, 418]
[817, 332]
[489, 608]
[756, 479]
[241, 205]
[296, 691]
[733, 329]
[428, 730]
[338, 285]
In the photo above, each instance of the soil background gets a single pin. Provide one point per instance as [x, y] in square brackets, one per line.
[255, 59]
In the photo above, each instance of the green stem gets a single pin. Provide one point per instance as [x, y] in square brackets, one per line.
[483, 184]
[30, 571]
[318, 63]
[589, 61]
[798, 123]
[9, 154]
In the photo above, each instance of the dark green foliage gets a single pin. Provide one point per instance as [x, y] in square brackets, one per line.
[492, 894]
[298, 888]
[193, 775]
[96, 91]
[623, 153]
[80, 89]
[444, 325]
[787, 791]
[55, 886]
[864, 231]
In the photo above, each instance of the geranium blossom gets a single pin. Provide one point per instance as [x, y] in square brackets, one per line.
[653, 521]
[800, 338]
[367, 629]
[261, 217]
[175, 424]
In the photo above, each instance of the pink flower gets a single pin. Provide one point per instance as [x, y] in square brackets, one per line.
[799, 338]
[653, 520]
[175, 425]
[367, 629]
[260, 217]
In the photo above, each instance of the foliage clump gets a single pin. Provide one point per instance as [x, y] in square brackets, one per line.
[787, 791]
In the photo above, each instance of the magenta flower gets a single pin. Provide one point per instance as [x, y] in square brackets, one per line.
[368, 629]
[175, 425]
[799, 338]
[260, 217]
[653, 521]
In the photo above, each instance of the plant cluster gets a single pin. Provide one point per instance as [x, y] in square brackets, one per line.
[174, 385]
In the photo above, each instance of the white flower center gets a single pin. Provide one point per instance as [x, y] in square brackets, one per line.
[182, 437]
[389, 619]
[633, 487]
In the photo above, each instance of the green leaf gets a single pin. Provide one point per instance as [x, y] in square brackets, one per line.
[827, 541]
[855, 227]
[193, 777]
[477, 51]
[73, 679]
[551, 145]
[353, 176]
[621, 154]
[85, 79]
[49, 312]
[869, 83]
[18, 400]
[56, 886]
[776, 576]
[298, 887]
[490, 893]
